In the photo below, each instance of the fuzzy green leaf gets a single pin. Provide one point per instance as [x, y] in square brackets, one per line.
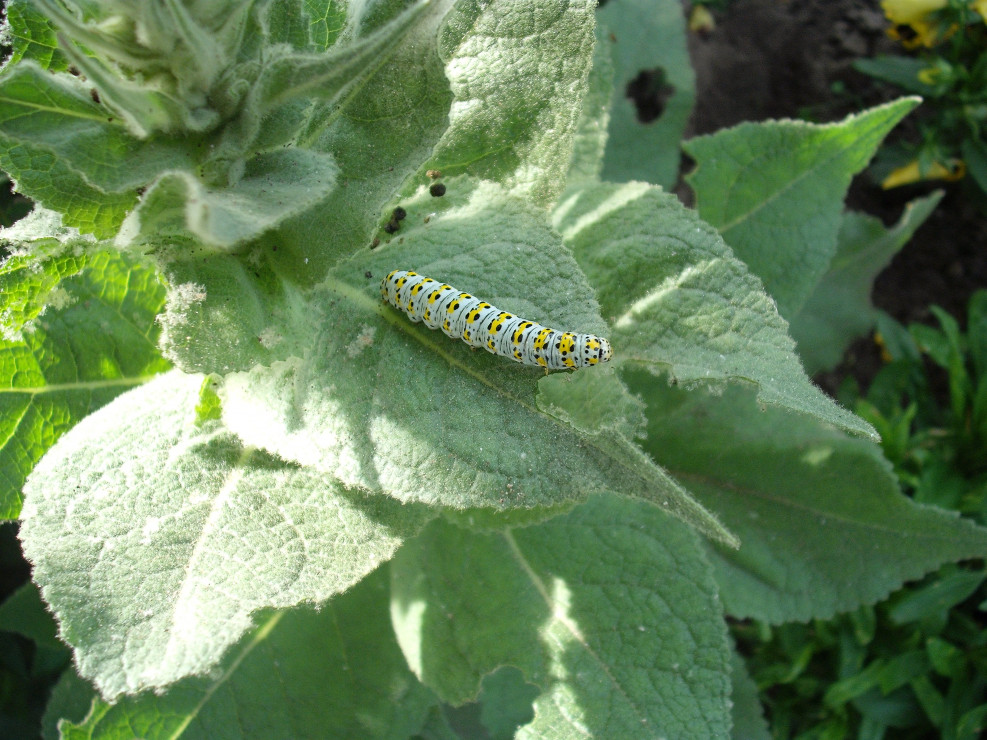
[77, 332]
[380, 132]
[246, 316]
[24, 612]
[48, 180]
[305, 673]
[241, 310]
[609, 610]
[823, 525]
[775, 192]
[647, 37]
[746, 711]
[58, 113]
[275, 187]
[592, 401]
[839, 309]
[328, 76]
[387, 405]
[202, 532]
[517, 79]
[679, 301]
[283, 98]
[590, 140]
[30, 36]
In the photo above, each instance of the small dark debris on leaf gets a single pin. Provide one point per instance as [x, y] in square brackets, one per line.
[398, 214]
[437, 190]
[368, 274]
[375, 243]
[392, 226]
[434, 174]
[94, 95]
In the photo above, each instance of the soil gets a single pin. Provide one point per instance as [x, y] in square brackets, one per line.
[793, 59]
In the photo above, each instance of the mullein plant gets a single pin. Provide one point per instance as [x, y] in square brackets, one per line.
[948, 69]
[187, 93]
[219, 191]
[151, 70]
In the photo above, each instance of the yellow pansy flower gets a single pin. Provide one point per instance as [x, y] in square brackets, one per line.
[915, 13]
[906, 12]
[701, 20]
[954, 169]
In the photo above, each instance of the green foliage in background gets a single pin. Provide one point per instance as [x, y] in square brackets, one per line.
[933, 420]
[912, 666]
[325, 520]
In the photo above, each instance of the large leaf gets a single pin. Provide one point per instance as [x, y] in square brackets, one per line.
[823, 525]
[679, 301]
[775, 192]
[390, 406]
[77, 332]
[305, 673]
[154, 539]
[839, 309]
[517, 80]
[609, 610]
[647, 41]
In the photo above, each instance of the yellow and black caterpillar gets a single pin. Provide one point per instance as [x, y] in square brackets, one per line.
[479, 324]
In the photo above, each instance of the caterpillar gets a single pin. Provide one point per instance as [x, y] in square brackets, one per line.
[463, 316]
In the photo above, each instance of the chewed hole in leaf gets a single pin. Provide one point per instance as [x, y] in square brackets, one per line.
[650, 91]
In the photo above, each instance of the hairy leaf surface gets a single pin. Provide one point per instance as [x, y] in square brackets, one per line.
[154, 539]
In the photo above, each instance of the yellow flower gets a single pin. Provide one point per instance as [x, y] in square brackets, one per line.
[906, 12]
[954, 169]
[701, 20]
[886, 356]
[915, 13]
